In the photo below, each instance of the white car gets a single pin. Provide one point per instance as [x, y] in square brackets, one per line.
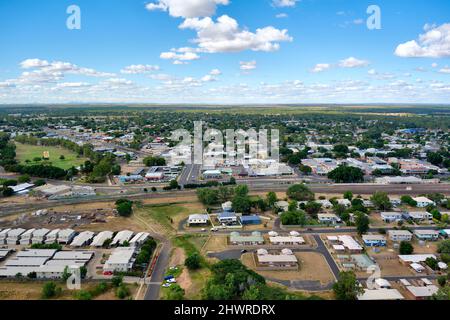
[166, 285]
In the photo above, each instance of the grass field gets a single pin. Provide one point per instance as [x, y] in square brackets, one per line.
[29, 152]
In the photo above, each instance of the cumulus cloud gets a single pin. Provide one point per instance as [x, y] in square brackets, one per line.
[226, 36]
[247, 65]
[445, 69]
[139, 69]
[281, 15]
[179, 56]
[284, 3]
[320, 67]
[187, 8]
[215, 72]
[434, 43]
[352, 62]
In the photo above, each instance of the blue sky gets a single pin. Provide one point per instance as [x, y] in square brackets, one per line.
[225, 51]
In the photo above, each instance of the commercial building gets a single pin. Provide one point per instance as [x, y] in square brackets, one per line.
[25, 238]
[254, 239]
[374, 240]
[39, 235]
[65, 236]
[52, 236]
[122, 237]
[83, 239]
[121, 260]
[100, 239]
[400, 235]
[345, 243]
[139, 239]
[14, 236]
[426, 235]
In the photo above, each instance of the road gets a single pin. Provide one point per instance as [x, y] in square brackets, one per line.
[159, 271]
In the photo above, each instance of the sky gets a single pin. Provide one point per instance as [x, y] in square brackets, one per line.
[224, 51]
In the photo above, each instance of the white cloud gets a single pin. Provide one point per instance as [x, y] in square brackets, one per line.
[372, 72]
[284, 3]
[434, 43]
[179, 57]
[445, 69]
[247, 65]
[226, 36]
[281, 15]
[72, 85]
[139, 69]
[33, 63]
[358, 21]
[187, 8]
[215, 72]
[434, 65]
[320, 67]
[352, 62]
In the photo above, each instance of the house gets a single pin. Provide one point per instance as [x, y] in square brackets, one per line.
[391, 216]
[66, 235]
[284, 261]
[422, 293]
[326, 204]
[121, 260]
[426, 235]
[286, 241]
[415, 258]
[227, 218]
[423, 202]
[418, 216]
[25, 238]
[249, 220]
[14, 236]
[328, 218]
[345, 202]
[374, 240]
[400, 235]
[254, 239]
[381, 294]
[198, 219]
[395, 201]
[345, 243]
[39, 235]
[83, 239]
[100, 239]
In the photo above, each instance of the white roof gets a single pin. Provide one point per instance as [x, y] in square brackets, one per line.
[26, 262]
[66, 263]
[294, 233]
[53, 234]
[400, 232]
[4, 232]
[349, 242]
[122, 236]
[122, 255]
[73, 255]
[140, 237]
[82, 238]
[15, 232]
[100, 238]
[21, 187]
[381, 294]
[65, 233]
[382, 282]
[417, 267]
[416, 257]
[391, 213]
[423, 199]
[273, 233]
[426, 232]
[287, 239]
[405, 282]
[442, 265]
[198, 217]
[338, 247]
[332, 238]
[376, 237]
[270, 258]
[427, 291]
[36, 253]
[29, 233]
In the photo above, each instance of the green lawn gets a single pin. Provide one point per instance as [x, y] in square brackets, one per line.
[29, 152]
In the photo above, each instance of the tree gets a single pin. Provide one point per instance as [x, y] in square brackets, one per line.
[24, 178]
[122, 291]
[347, 287]
[340, 148]
[62, 157]
[242, 204]
[442, 280]
[293, 218]
[208, 196]
[124, 207]
[49, 290]
[408, 200]
[117, 281]
[381, 201]
[346, 174]
[271, 199]
[154, 161]
[362, 223]
[307, 170]
[193, 262]
[406, 248]
[444, 246]
[175, 292]
[348, 195]
[435, 158]
[442, 294]
[313, 208]
[432, 263]
[436, 214]
[39, 182]
[300, 192]
[8, 192]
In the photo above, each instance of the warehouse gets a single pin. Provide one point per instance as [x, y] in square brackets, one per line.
[139, 239]
[39, 236]
[122, 237]
[83, 239]
[14, 236]
[100, 239]
[52, 236]
[121, 260]
[25, 238]
[66, 235]
[26, 262]
[36, 253]
[73, 255]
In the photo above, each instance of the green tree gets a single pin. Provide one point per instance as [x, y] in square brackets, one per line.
[208, 196]
[348, 195]
[300, 192]
[406, 248]
[347, 287]
[50, 290]
[175, 293]
[271, 199]
[24, 178]
[193, 262]
[362, 223]
[346, 174]
[124, 207]
[381, 200]
[154, 161]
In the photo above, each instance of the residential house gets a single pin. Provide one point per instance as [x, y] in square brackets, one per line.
[372, 240]
[426, 235]
[400, 235]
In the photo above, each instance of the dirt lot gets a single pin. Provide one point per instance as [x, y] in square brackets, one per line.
[313, 266]
[216, 243]
[391, 266]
